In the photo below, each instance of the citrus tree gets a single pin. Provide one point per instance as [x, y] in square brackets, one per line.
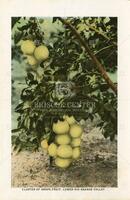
[69, 72]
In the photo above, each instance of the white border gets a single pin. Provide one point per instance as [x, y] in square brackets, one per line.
[119, 8]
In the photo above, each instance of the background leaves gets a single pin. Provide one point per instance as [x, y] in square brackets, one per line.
[67, 62]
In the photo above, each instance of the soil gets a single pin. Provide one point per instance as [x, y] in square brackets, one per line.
[97, 166]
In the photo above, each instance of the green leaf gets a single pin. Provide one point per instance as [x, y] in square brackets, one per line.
[18, 37]
[14, 21]
[106, 20]
[19, 108]
[54, 19]
[15, 130]
[25, 27]
[30, 76]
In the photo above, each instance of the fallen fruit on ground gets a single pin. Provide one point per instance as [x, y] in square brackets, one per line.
[52, 150]
[61, 127]
[44, 144]
[28, 47]
[62, 163]
[75, 130]
[76, 153]
[63, 139]
[41, 53]
[64, 151]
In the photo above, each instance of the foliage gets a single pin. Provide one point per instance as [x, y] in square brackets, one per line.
[68, 62]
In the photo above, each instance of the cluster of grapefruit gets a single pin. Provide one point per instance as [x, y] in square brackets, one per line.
[66, 146]
[35, 55]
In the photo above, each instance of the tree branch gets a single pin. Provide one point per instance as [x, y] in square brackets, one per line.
[100, 33]
[104, 48]
[91, 54]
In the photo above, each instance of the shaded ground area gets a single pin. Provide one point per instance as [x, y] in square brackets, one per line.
[97, 166]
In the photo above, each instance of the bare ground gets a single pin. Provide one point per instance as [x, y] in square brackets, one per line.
[97, 166]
